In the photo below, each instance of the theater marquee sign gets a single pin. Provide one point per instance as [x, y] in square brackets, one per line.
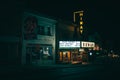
[75, 44]
[69, 44]
[85, 44]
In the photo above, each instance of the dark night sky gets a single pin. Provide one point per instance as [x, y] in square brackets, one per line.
[100, 15]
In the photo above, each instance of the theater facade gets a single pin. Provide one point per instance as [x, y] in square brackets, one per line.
[74, 51]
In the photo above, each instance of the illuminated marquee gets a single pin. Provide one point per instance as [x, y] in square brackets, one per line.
[69, 44]
[87, 44]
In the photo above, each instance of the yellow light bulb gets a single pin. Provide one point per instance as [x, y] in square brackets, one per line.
[81, 14]
[81, 22]
[81, 27]
[81, 31]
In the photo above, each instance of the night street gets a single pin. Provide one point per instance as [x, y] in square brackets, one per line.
[85, 72]
[59, 40]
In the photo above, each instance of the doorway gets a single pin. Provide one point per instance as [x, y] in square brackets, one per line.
[65, 56]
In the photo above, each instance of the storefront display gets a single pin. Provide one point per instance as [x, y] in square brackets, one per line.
[36, 53]
[76, 50]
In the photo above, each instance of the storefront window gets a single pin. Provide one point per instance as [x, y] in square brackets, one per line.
[74, 57]
[47, 53]
[65, 56]
[35, 53]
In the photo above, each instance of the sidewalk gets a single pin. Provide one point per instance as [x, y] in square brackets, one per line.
[19, 68]
[61, 65]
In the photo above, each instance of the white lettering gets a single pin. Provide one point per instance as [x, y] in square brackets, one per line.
[87, 44]
[69, 44]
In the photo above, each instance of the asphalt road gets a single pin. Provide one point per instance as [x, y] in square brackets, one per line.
[91, 72]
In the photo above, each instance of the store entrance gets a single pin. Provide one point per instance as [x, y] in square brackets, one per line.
[65, 56]
[76, 57]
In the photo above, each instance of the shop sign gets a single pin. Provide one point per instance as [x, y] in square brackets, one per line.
[87, 44]
[45, 38]
[69, 44]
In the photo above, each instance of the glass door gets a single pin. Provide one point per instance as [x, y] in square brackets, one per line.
[65, 56]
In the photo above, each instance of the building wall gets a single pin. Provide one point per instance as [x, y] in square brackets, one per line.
[95, 37]
[40, 32]
[64, 32]
[10, 50]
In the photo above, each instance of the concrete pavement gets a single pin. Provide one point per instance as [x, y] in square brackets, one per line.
[19, 68]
